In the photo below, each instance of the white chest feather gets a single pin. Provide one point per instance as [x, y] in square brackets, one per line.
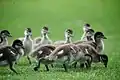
[102, 44]
[28, 44]
[100, 47]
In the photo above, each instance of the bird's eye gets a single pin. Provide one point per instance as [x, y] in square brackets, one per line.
[99, 36]
[19, 44]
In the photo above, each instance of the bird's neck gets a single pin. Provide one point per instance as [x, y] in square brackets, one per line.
[4, 40]
[100, 45]
[98, 41]
[27, 37]
[45, 36]
[68, 40]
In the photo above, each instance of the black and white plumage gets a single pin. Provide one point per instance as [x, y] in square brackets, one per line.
[4, 34]
[97, 43]
[42, 52]
[99, 40]
[9, 54]
[96, 57]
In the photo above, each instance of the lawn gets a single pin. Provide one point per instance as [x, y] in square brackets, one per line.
[103, 15]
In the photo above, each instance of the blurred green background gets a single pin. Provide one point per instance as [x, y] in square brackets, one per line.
[103, 15]
[16, 15]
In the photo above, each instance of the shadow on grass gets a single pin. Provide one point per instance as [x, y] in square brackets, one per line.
[61, 69]
[4, 71]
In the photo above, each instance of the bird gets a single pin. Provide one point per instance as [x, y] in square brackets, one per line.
[86, 27]
[68, 37]
[27, 43]
[97, 42]
[44, 39]
[9, 54]
[4, 34]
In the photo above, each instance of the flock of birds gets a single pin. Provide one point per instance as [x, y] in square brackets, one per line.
[88, 50]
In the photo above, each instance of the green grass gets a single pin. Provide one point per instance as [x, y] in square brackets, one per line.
[103, 15]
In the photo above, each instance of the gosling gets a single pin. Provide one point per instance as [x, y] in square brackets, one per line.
[4, 34]
[9, 54]
[45, 39]
[27, 43]
[66, 54]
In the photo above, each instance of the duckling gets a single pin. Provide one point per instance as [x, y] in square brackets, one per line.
[4, 34]
[9, 54]
[68, 37]
[42, 48]
[96, 57]
[89, 35]
[97, 42]
[28, 43]
[65, 54]
[85, 29]
[42, 52]
[99, 37]
[45, 39]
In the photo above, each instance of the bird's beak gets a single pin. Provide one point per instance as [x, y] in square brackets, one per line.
[9, 35]
[104, 37]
